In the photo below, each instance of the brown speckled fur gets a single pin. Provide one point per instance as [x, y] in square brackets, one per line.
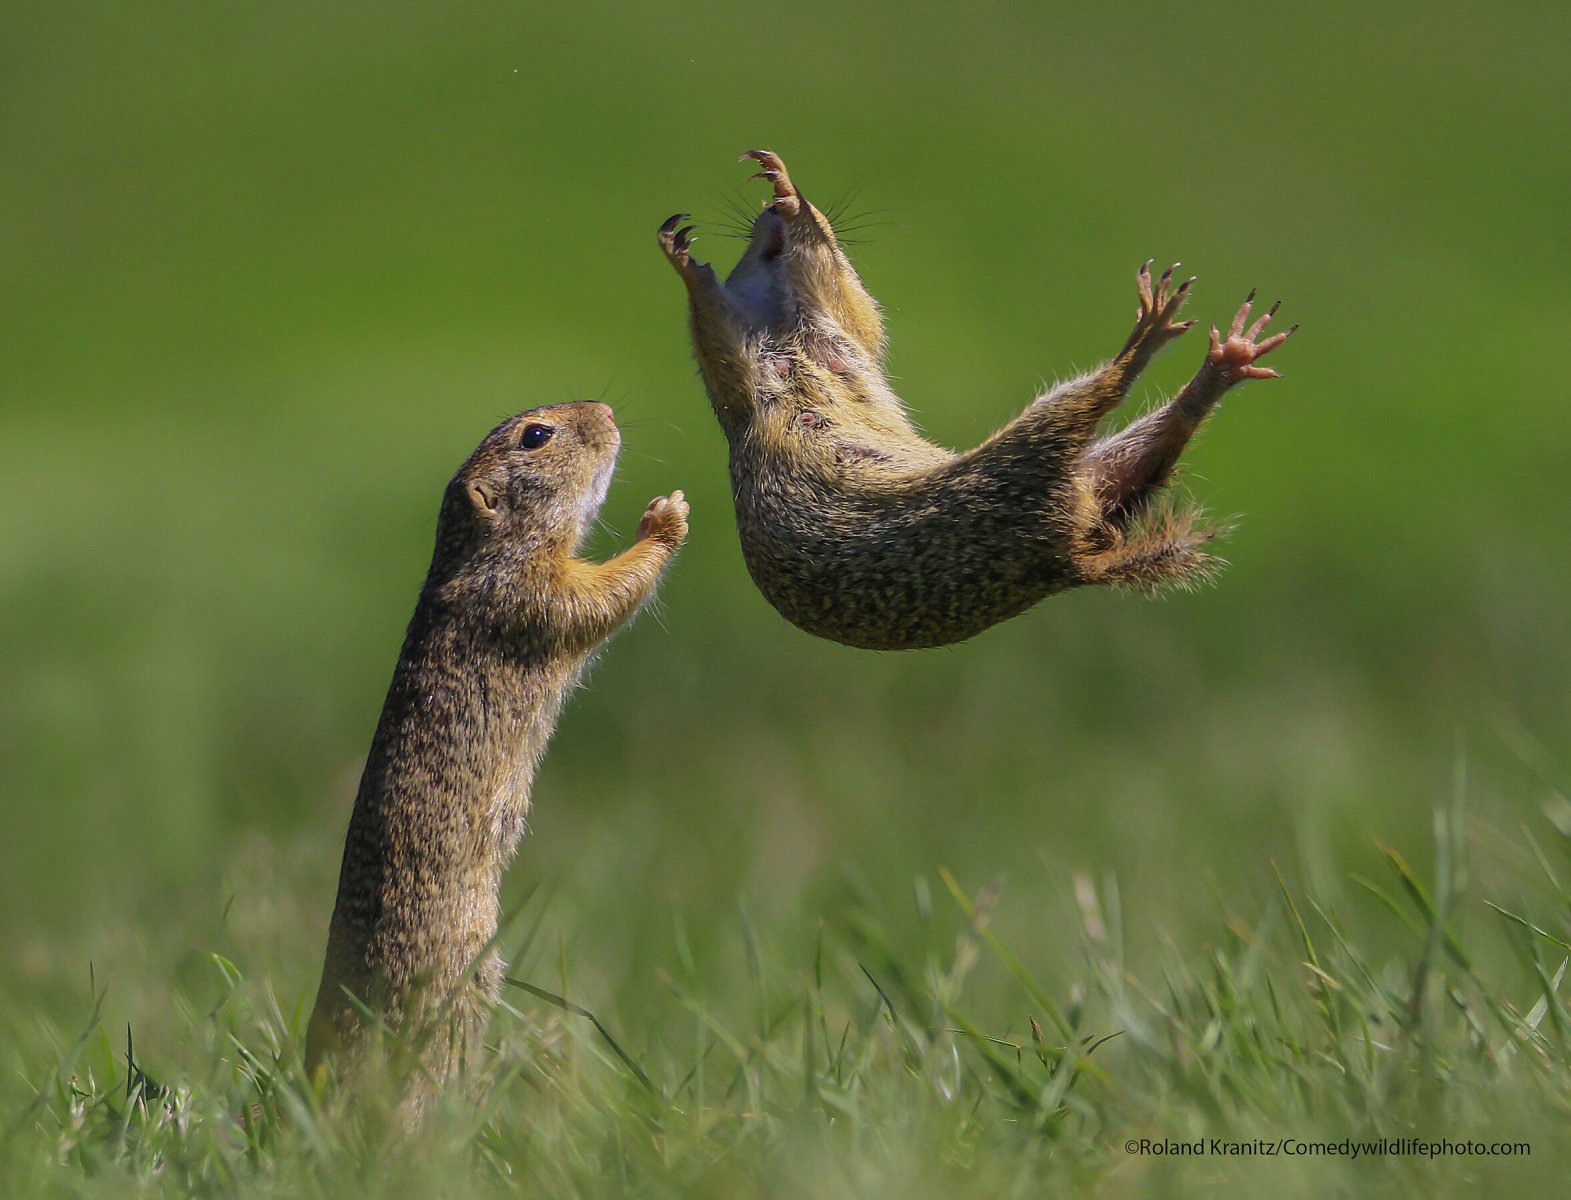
[505, 623]
[859, 530]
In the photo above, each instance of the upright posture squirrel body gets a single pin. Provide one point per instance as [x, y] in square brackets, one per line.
[859, 530]
[506, 621]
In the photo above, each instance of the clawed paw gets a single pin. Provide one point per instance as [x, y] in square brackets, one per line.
[786, 201]
[1159, 305]
[676, 240]
[665, 520]
[1236, 353]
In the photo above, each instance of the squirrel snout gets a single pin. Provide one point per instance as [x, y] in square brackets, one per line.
[602, 410]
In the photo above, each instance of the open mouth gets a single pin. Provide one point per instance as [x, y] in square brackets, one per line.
[769, 235]
[759, 287]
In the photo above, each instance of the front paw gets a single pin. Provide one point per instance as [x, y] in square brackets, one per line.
[676, 241]
[665, 520]
[786, 201]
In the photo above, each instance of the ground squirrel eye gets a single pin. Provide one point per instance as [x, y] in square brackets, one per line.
[535, 436]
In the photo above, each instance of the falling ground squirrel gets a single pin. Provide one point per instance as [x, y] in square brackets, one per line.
[506, 621]
[861, 531]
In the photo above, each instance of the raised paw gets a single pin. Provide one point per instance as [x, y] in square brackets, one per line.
[665, 520]
[1155, 325]
[786, 201]
[676, 240]
[1234, 356]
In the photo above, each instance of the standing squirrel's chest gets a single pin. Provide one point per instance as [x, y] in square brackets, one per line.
[517, 740]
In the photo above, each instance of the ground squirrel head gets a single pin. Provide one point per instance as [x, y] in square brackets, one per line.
[791, 345]
[535, 483]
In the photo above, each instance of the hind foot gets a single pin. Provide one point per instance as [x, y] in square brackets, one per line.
[1233, 357]
[1155, 323]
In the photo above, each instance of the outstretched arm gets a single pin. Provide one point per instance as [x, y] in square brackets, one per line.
[720, 336]
[597, 598]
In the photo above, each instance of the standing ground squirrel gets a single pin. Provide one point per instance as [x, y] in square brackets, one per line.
[506, 621]
[859, 530]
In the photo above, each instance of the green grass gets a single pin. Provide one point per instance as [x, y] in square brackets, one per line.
[863, 1070]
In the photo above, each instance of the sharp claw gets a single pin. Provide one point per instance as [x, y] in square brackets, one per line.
[1271, 312]
[1250, 299]
[1168, 274]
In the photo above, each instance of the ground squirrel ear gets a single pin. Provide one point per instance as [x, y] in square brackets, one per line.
[484, 499]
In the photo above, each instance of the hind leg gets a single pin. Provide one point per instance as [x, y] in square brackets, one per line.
[1130, 467]
[1065, 419]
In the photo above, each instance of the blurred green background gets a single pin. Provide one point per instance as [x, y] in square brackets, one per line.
[271, 271]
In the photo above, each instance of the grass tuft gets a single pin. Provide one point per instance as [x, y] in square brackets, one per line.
[862, 1071]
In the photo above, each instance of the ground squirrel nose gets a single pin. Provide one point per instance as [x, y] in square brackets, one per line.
[605, 410]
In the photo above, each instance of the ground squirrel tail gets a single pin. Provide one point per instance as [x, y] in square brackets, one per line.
[1164, 551]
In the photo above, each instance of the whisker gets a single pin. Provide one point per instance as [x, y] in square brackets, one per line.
[839, 206]
[740, 211]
